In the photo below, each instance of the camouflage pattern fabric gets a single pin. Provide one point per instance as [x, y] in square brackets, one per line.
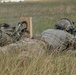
[56, 38]
[4, 37]
[10, 34]
[65, 24]
[7, 36]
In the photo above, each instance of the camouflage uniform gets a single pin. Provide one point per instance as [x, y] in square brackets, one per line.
[4, 37]
[8, 36]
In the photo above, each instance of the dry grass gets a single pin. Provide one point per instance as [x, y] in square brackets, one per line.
[31, 57]
[33, 62]
[25, 59]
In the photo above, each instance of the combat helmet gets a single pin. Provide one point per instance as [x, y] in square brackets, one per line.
[65, 24]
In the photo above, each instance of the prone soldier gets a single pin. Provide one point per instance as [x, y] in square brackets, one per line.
[10, 34]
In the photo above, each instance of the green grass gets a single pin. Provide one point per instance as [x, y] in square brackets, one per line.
[44, 14]
[30, 62]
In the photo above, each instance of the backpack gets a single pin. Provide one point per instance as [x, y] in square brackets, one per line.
[57, 39]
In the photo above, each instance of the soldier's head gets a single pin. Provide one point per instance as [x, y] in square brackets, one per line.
[65, 24]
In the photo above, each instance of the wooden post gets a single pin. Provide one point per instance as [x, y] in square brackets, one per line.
[29, 22]
[30, 27]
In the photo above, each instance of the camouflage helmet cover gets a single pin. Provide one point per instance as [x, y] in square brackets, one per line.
[64, 24]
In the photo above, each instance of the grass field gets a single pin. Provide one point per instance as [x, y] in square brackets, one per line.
[30, 62]
[44, 14]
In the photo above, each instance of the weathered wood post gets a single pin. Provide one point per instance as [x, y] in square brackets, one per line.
[29, 22]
